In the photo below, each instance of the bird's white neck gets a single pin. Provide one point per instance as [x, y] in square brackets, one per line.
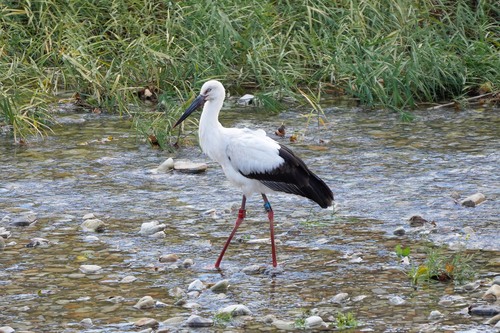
[210, 128]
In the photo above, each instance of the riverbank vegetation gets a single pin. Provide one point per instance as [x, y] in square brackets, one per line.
[116, 53]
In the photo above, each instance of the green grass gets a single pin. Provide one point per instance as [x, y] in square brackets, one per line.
[388, 54]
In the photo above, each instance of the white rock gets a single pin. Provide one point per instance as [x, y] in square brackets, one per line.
[167, 165]
[220, 286]
[4, 233]
[339, 298]
[149, 228]
[6, 329]
[91, 238]
[190, 167]
[188, 263]
[128, 279]
[147, 302]
[435, 315]
[396, 300]
[89, 216]
[93, 225]
[87, 322]
[90, 269]
[246, 99]
[158, 235]
[236, 310]
[196, 285]
[314, 321]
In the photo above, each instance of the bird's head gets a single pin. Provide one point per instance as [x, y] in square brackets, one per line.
[211, 90]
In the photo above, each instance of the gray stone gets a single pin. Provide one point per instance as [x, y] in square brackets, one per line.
[146, 322]
[90, 269]
[38, 242]
[93, 225]
[174, 321]
[188, 263]
[493, 320]
[176, 292]
[246, 99]
[399, 231]
[197, 321]
[147, 302]
[6, 329]
[196, 285]
[87, 323]
[167, 165]
[496, 280]
[172, 257]
[149, 228]
[396, 300]
[2, 243]
[284, 325]
[23, 220]
[314, 322]
[89, 216]
[435, 315]
[473, 200]
[339, 298]
[190, 167]
[4, 233]
[254, 269]
[484, 310]
[492, 294]
[128, 279]
[220, 286]
[236, 310]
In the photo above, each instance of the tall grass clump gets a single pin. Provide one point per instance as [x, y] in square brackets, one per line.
[392, 54]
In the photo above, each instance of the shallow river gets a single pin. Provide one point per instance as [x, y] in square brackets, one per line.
[381, 170]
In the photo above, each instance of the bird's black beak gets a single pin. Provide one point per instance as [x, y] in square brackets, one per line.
[197, 103]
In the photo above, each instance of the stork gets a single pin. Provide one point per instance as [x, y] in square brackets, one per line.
[252, 161]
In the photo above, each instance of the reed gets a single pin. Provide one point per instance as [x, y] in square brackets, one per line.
[391, 54]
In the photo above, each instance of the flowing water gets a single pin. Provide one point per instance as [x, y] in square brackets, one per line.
[382, 171]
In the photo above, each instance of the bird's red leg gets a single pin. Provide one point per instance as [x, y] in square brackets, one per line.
[241, 216]
[270, 214]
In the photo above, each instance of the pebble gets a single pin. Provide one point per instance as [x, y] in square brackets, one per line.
[315, 322]
[492, 294]
[147, 302]
[473, 200]
[196, 285]
[38, 242]
[87, 323]
[93, 225]
[146, 322]
[89, 269]
[169, 258]
[484, 310]
[496, 280]
[236, 310]
[6, 329]
[254, 269]
[23, 220]
[220, 286]
[149, 228]
[190, 167]
[284, 325]
[4, 233]
[399, 231]
[128, 279]
[339, 298]
[167, 165]
[435, 315]
[197, 321]
[396, 300]
[188, 263]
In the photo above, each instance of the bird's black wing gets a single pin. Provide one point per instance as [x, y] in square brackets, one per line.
[293, 176]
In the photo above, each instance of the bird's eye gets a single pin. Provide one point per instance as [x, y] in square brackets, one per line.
[208, 90]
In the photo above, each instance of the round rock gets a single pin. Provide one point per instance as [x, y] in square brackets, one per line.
[220, 286]
[167, 165]
[197, 321]
[196, 285]
[146, 322]
[90, 269]
[93, 225]
[149, 228]
[236, 310]
[147, 302]
[314, 322]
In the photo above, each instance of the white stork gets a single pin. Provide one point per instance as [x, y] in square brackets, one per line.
[252, 161]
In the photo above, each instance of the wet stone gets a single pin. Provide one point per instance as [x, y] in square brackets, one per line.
[167, 165]
[190, 167]
[149, 228]
[399, 231]
[197, 321]
[417, 221]
[174, 321]
[147, 302]
[220, 286]
[2, 243]
[493, 320]
[314, 322]
[396, 300]
[435, 315]
[176, 292]
[89, 216]
[38, 242]
[188, 263]
[23, 220]
[128, 279]
[169, 258]
[87, 323]
[339, 298]
[254, 269]
[473, 200]
[158, 235]
[492, 294]
[146, 322]
[93, 225]
[496, 280]
[284, 325]
[484, 310]
[196, 285]
[6, 329]
[4, 233]
[90, 269]
[236, 310]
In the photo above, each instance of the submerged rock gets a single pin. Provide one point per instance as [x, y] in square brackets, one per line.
[93, 225]
[473, 200]
[128, 279]
[435, 315]
[150, 228]
[87, 323]
[90, 269]
[417, 221]
[4, 233]
[220, 286]
[236, 310]
[23, 220]
[197, 321]
[399, 231]
[188, 263]
[396, 300]
[484, 310]
[147, 302]
[146, 322]
[38, 242]
[339, 298]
